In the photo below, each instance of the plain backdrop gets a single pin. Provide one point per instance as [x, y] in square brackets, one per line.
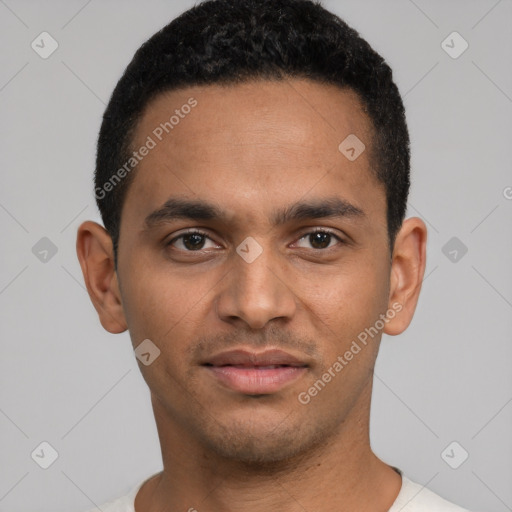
[67, 382]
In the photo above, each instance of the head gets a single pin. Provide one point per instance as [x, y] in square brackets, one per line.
[226, 42]
[273, 132]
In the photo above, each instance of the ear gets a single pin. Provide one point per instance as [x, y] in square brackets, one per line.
[96, 255]
[407, 270]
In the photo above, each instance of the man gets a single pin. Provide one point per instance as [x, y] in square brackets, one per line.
[252, 174]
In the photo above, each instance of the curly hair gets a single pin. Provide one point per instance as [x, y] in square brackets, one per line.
[236, 41]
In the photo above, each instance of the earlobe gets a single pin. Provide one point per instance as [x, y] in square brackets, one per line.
[96, 255]
[407, 270]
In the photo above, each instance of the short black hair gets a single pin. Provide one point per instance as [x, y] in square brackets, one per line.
[236, 41]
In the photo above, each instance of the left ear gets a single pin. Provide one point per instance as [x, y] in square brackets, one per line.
[407, 270]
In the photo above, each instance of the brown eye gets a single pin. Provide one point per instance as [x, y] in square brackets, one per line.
[191, 241]
[320, 239]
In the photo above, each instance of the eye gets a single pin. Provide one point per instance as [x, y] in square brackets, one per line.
[191, 241]
[320, 239]
[195, 240]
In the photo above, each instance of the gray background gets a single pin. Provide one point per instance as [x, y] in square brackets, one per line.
[64, 380]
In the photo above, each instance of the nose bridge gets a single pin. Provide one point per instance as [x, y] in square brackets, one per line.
[259, 276]
[257, 291]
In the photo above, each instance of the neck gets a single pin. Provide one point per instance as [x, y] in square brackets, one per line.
[339, 473]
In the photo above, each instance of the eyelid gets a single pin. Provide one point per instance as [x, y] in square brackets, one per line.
[319, 229]
[190, 231]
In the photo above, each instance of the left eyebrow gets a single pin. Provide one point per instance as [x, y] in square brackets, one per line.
[333, 207]
[198, 210]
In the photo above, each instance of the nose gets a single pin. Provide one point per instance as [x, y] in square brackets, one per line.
[256, 292]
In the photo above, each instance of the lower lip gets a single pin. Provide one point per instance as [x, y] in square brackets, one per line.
[256, 381]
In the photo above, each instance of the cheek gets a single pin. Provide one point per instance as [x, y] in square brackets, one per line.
[163, 304]
[153, 305]
[348, 299]
[157, 309]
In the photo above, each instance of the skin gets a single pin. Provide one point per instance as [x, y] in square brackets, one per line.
[251, 149]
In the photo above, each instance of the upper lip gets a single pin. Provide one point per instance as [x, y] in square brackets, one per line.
[248, 358]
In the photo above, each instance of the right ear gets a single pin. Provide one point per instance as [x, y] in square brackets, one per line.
[96, 255]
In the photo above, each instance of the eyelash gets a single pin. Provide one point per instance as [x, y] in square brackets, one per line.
[202, 233]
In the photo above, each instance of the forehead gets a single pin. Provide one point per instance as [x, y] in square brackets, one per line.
[298, 112]
[254, 143]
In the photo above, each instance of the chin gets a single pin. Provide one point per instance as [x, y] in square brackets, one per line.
[263, 445]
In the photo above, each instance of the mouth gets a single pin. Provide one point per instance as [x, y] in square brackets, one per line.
[255, 373]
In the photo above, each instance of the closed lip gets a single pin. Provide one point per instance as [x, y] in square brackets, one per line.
[249, 358]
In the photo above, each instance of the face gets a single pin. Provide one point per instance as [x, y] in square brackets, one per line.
[285, 247]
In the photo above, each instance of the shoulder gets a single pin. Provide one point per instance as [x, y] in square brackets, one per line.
[414, 497]
[125, 503]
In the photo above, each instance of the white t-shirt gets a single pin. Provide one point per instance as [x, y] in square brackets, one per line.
[412, 497]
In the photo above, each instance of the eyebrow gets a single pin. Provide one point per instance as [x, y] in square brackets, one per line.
[199, 210]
